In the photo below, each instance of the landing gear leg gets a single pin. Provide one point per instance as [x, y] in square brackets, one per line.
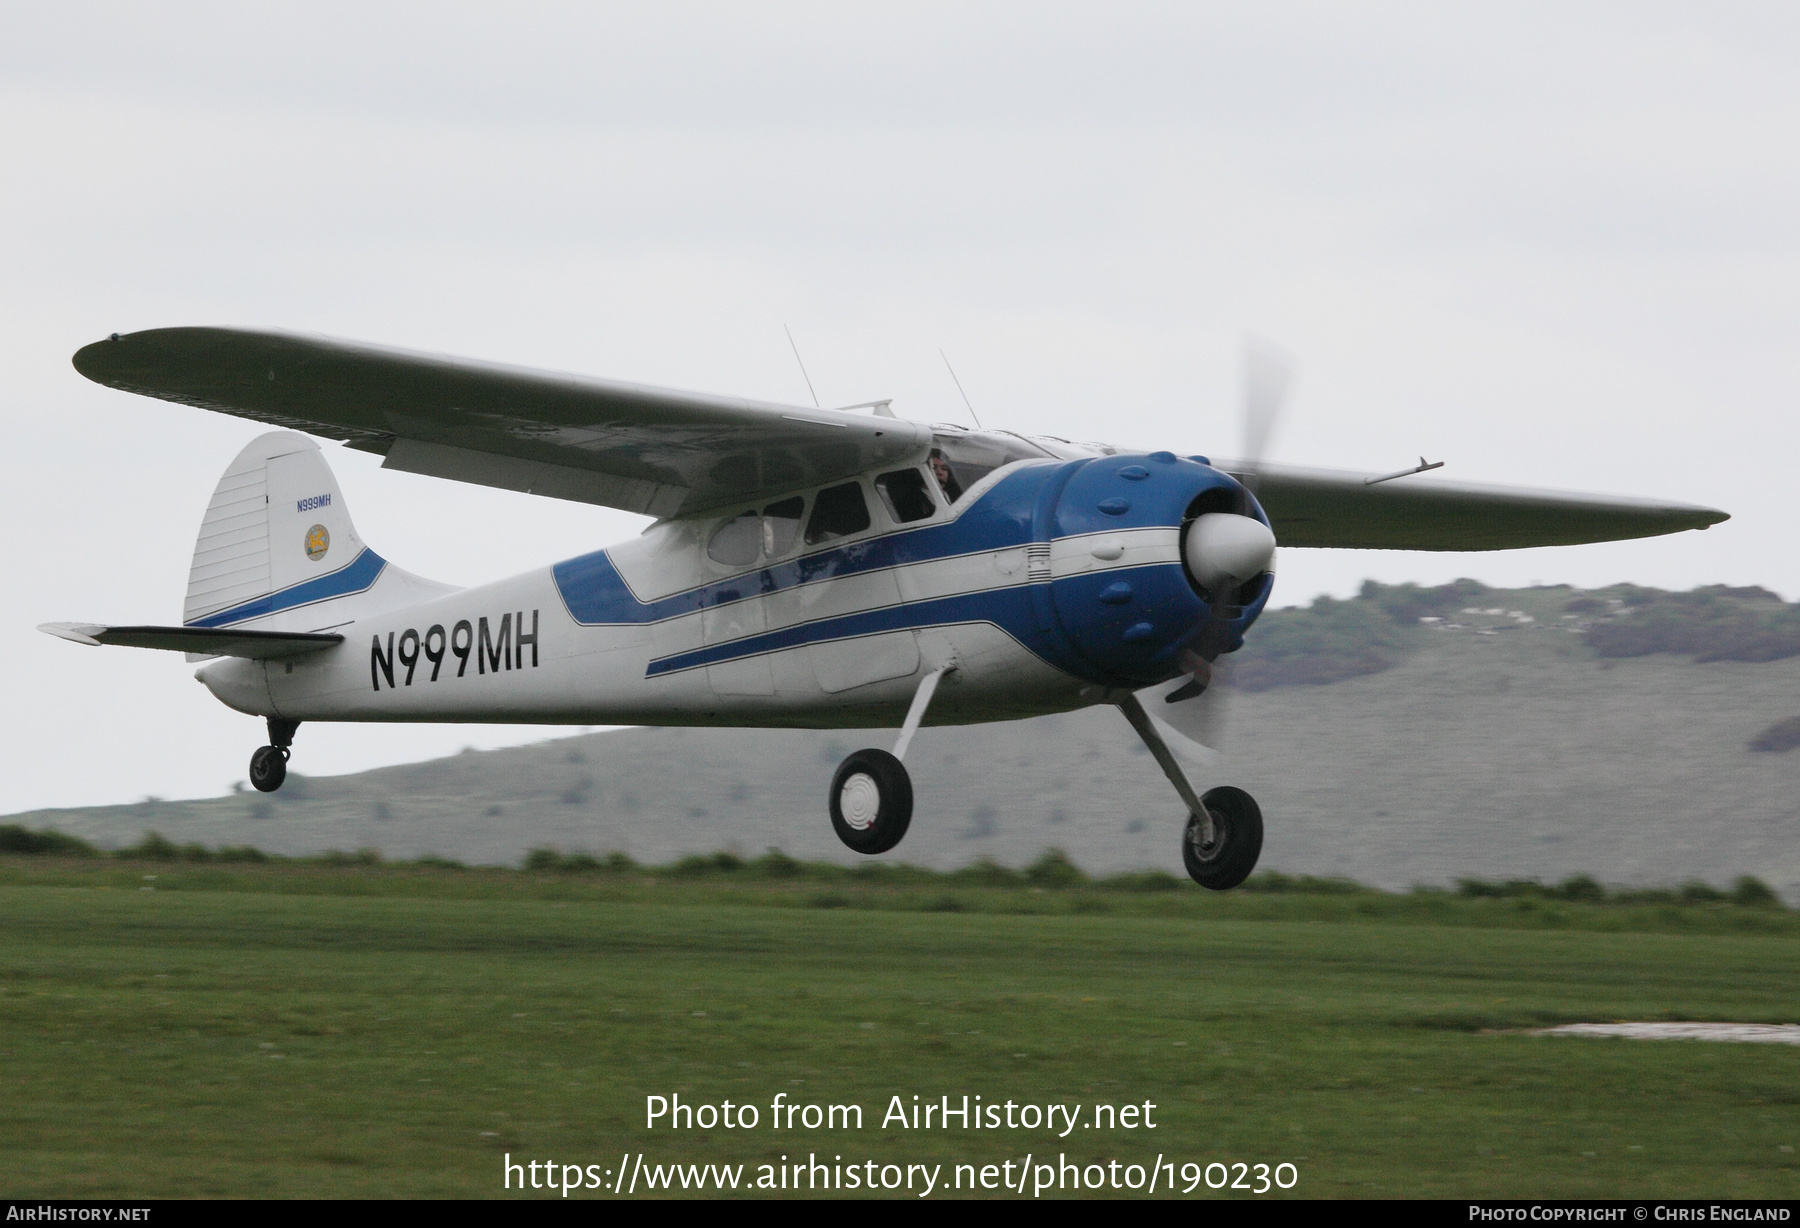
[268, 766]
[1224, 831]
[871, 795]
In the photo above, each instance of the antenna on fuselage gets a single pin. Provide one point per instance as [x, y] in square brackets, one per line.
[959, 388]
[802, 362]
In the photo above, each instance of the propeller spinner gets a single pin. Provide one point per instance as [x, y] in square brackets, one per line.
[1225, 552]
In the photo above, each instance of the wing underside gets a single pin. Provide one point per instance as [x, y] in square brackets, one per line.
[665, 453]
[649, 450]
[1339, 509]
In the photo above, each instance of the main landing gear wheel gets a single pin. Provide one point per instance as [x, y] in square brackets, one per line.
[1236, 844]
[268, 768]
[871, 801]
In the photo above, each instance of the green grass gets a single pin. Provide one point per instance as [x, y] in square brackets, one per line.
[304, 1028]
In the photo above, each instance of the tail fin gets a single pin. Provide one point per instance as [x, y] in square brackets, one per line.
[277, 551]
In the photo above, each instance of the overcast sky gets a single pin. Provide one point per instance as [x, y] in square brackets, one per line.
[1553, 245]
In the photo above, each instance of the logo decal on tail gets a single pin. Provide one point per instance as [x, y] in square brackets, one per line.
[318, 541]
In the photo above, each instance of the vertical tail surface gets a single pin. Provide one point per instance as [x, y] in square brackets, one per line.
[277, 550]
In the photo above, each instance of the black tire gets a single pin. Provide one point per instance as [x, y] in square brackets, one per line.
[1237, 840]
[873, 787]
[268, 768]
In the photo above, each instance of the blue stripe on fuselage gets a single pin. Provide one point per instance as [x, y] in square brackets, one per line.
[597, 595]
[1012, 609]
[356, 576]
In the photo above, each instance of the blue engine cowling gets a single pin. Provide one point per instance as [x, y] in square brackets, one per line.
[1132, 626]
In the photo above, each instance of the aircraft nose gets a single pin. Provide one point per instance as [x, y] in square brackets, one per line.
[1223, 550]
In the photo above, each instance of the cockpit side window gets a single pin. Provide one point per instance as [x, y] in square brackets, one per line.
[735, 542]
[740, 541]
[905, 495]
[838, 511]
[946, 477]
[959, 459]
[781, 525]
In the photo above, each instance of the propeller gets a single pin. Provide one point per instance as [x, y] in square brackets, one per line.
[1224, 553]
[1268, 375]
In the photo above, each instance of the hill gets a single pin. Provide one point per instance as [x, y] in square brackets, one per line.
[1405, 736]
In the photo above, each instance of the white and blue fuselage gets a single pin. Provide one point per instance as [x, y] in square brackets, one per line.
[1048, 585]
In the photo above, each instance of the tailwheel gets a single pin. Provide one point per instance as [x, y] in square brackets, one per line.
[268, 768]
[871, 801]
[1237, 836]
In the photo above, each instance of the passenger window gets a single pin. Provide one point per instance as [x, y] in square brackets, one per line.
[781, 525]
[905, 495]
[837, 512]
[736, 541]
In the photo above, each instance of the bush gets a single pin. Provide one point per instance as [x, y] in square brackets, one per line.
[1276, 883]
[1514, 888]
[776, 864]
[1146, 880]
[1054, 869]
[1581, 887]
[543, 860]
[985, 872]
[698, 866]
[17, 839]
[1748, 892]
[1697, 892]
[153, 847]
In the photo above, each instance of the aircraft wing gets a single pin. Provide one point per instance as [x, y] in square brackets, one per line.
[643, 449]
[1333, 507]
[257, 645]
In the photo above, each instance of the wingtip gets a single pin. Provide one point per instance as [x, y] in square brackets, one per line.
[90, 360]
[77, 633]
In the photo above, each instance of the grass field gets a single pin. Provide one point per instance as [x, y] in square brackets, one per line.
[304, 1028]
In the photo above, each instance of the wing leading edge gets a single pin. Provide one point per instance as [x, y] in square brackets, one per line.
[1339, 509]
[666, 453]
[631, 446]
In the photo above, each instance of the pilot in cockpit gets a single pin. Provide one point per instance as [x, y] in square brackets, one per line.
[946, 480]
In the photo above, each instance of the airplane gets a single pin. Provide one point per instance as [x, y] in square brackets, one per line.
[804, 568]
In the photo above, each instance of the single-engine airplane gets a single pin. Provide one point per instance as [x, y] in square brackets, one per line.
[806, 568]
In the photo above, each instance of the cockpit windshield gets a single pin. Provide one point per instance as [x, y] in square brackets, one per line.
[959, 459]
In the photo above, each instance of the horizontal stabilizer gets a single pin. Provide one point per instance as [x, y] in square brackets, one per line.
[201, 641]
